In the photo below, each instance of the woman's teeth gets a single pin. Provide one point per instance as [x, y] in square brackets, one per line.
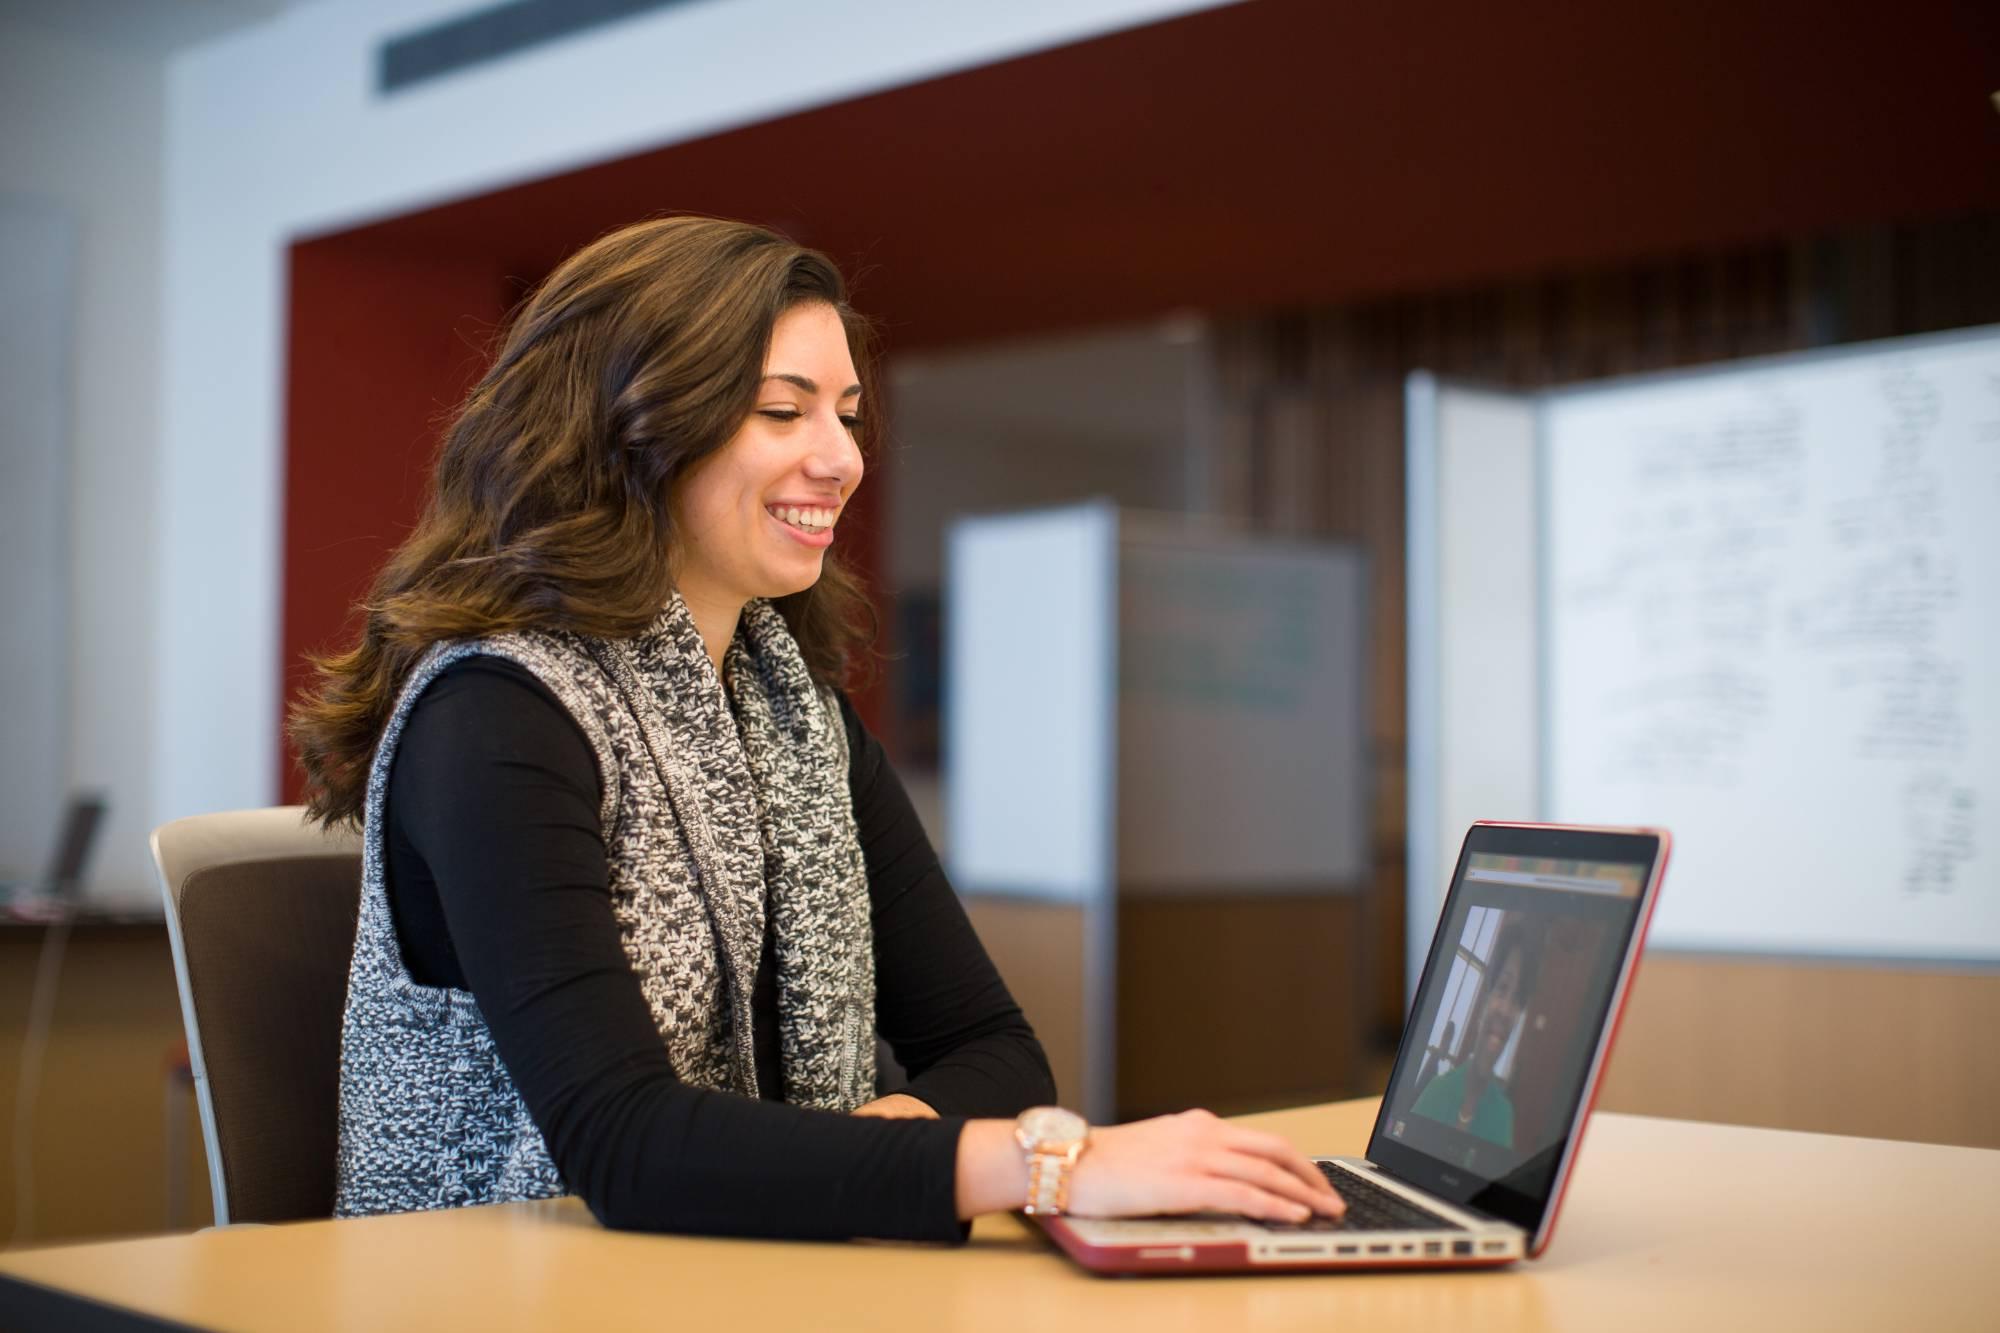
[809, 519]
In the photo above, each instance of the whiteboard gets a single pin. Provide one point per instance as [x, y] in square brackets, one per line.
[1242, 714]
[1771, 617]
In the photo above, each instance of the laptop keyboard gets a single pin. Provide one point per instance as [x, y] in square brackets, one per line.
[1369, 1208]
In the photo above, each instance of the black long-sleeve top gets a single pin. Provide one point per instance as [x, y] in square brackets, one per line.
[498, 883]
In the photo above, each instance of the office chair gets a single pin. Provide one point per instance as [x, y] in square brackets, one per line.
[261, 911]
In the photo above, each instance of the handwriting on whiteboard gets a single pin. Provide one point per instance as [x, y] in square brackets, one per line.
[1750, 572]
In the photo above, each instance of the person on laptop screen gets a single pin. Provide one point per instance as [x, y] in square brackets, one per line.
[1472, 1095]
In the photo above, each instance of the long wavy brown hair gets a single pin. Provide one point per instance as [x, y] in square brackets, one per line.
[549, 508]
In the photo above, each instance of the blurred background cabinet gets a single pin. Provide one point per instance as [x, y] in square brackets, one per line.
[110, 1144]
[1156, 799]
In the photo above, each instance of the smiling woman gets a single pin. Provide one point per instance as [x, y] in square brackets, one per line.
[631, 368]
[639, 891]
[756, 517]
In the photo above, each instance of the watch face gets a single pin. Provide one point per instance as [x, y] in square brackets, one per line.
[1051, 1125]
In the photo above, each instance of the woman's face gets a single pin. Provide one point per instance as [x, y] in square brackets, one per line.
[1499, 1014]
[755, 517]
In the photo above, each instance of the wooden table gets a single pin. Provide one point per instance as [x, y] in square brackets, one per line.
[1670, 1225]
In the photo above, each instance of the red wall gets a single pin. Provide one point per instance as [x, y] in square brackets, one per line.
[382, 343]
[1274, 153]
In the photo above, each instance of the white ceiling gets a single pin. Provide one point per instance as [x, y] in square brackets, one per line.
[155, 27]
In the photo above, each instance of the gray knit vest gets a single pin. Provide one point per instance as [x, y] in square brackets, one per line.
[709, 818]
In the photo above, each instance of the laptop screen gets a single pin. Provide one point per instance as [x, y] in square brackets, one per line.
[1509, 1014]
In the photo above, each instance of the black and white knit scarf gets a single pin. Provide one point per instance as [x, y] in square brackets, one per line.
[718, 826]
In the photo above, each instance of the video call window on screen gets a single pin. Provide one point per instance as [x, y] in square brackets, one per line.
[1460, 1048]
[1532, 943]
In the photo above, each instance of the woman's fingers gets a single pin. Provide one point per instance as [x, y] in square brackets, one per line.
[1282, 1154]
[897, 1106]
[1192, 1161]
[1233, 1196]
[1274, 1179]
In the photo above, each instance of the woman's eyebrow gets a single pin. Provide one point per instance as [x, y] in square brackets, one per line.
[812, 386]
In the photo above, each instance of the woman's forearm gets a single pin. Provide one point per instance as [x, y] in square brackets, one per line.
[992, 1172]
[996, 1074]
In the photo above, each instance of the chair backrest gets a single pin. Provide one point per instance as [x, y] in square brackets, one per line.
[261, 910]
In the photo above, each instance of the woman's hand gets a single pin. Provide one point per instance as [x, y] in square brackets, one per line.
[1195, 1162]
[1183, 1163]
[897, 1106]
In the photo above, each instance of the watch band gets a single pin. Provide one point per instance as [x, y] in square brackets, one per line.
[1048, 1181]
[1051, 1139]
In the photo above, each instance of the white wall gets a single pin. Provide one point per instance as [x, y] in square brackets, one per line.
[275, 133]
[83, 136]
[1475, 660]
[37, 312]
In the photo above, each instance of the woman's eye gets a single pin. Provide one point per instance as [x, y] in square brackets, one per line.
[780, 413]
[851, 422]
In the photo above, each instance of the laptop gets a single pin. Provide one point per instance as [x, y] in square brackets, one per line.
[56, 893]
[1485, 1109]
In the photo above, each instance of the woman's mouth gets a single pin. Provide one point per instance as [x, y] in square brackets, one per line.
[810, 524]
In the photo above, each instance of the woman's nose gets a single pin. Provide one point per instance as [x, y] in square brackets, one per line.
[835, 455]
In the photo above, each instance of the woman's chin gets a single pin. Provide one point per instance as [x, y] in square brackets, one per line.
[796, 579]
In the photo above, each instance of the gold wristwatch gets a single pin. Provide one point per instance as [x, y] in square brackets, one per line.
[1053, 1139]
